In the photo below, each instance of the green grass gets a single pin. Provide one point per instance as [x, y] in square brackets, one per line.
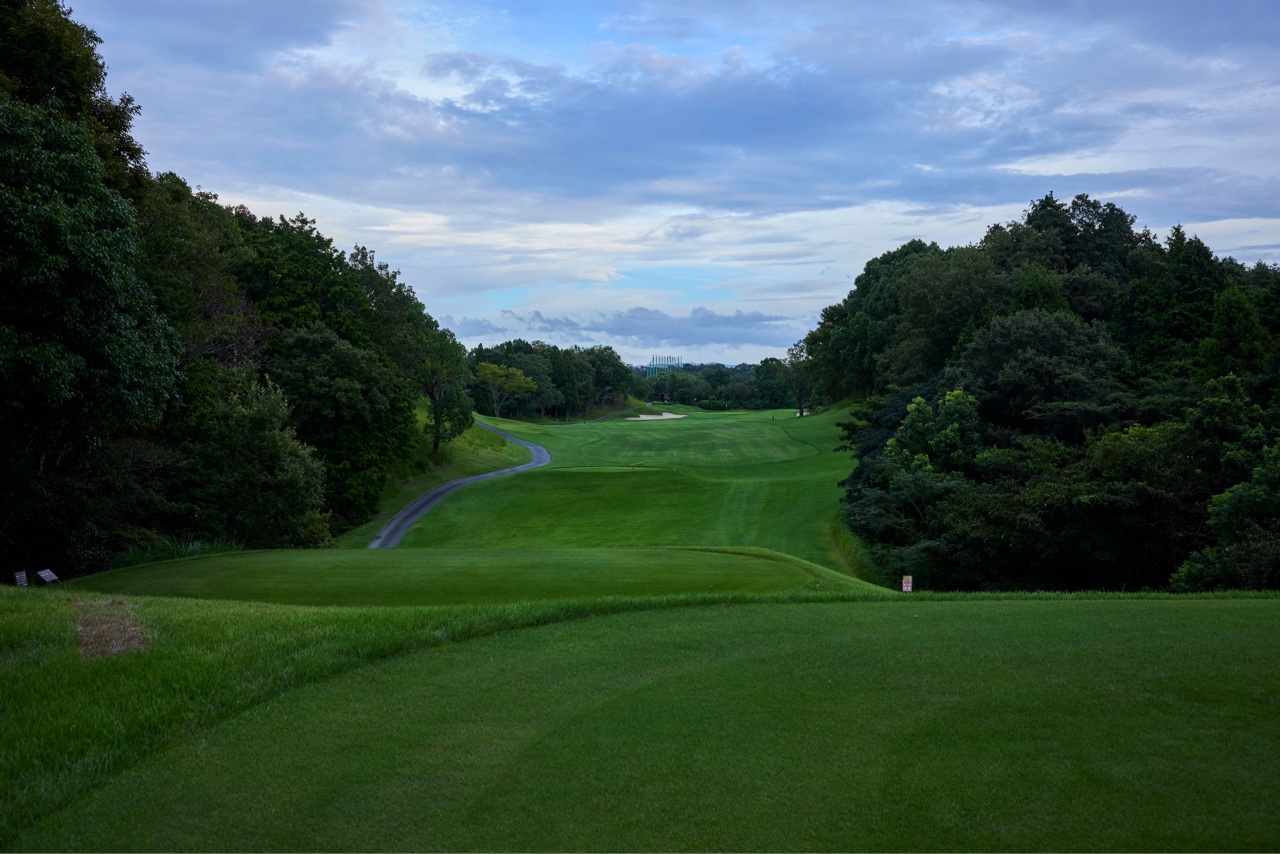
[763, 479]
[474, 452]
[632, 709]
[453, 577]
[1020, 723]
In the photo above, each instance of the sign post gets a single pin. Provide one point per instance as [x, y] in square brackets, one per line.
[906, 584]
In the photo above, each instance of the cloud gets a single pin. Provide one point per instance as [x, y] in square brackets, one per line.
[472, 328]
[574, 159]
[645, 327]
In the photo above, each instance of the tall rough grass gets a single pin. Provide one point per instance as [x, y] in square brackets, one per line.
[169, 548]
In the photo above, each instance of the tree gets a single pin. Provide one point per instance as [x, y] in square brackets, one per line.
[770, 379]
[350, 405]
[1039, 288]
[188, 244]
[1237, 342]
[84, 354]
[611, 377]
[244, 475]
[49, 60]
[799, 376]
[544, 395]
[502, 384]
[443, 376]
[873, 317]
[945, 299]
[1042, 373]
[1246, 518]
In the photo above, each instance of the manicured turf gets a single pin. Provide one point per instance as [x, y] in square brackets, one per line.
[763, 479]
[906, 725]
[451, 577]
[631, 697]
[599, 521]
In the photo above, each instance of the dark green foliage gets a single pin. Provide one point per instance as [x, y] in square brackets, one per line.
[1090, 293]
[799, 376]
[1093, 447]
[81, 337]
[84, 354]
[295, 277]
[188, 246]
[846, 346]
[1039, 288]
[245, 477]
[771, 383]
[1171, 305]
[944, 299]
[1246, 519]
[443, 376]
[566, 381]
[1044, 374]
[351, 407]
[136, 320]
[47, 59]
[1237, 342]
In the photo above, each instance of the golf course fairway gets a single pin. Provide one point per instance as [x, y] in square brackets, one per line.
[712, 502]
[652, 643]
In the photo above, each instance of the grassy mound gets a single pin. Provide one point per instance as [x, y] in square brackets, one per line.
[453, 576]
[963, 724]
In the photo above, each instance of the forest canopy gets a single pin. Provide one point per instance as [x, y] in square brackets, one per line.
[173, 367]
[1067, 404]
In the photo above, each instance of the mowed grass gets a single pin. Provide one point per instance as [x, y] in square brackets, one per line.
[761, 479]
[969, 724]
[455, 576]
[708, 503]
[634, 697]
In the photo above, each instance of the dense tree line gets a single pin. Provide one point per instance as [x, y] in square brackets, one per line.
[174, 367]
[1070, 403]
[524, 379]
[772, 384]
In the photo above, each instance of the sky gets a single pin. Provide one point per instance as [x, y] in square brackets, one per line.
[698, 178]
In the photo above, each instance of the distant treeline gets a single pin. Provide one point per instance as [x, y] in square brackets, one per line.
[539, 379]
[174, 368]
[1067, 404]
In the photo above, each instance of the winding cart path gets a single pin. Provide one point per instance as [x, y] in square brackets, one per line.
[389, 536]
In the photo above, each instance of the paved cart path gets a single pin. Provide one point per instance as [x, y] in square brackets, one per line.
[389, 536]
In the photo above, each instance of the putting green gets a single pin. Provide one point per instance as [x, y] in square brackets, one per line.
[971, 725]
[451, 576]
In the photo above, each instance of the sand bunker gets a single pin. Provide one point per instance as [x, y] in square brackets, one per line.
[663, 417]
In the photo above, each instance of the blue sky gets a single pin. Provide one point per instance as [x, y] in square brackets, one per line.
[698, 178]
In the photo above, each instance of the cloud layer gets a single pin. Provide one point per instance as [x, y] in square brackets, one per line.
[593, 162]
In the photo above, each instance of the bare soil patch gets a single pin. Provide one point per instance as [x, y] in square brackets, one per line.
[106, 628]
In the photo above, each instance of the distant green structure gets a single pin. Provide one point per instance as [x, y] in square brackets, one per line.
[660, 364]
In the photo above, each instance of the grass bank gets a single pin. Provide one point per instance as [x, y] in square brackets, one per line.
[788, 722]
[474, 452]
[457, 576]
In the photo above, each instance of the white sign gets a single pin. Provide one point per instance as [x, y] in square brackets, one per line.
[906, 584]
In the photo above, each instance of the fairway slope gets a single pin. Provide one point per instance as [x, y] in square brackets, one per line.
[460, 576]
[712, 479]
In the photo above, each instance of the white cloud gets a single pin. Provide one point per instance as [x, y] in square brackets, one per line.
[611, 156]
